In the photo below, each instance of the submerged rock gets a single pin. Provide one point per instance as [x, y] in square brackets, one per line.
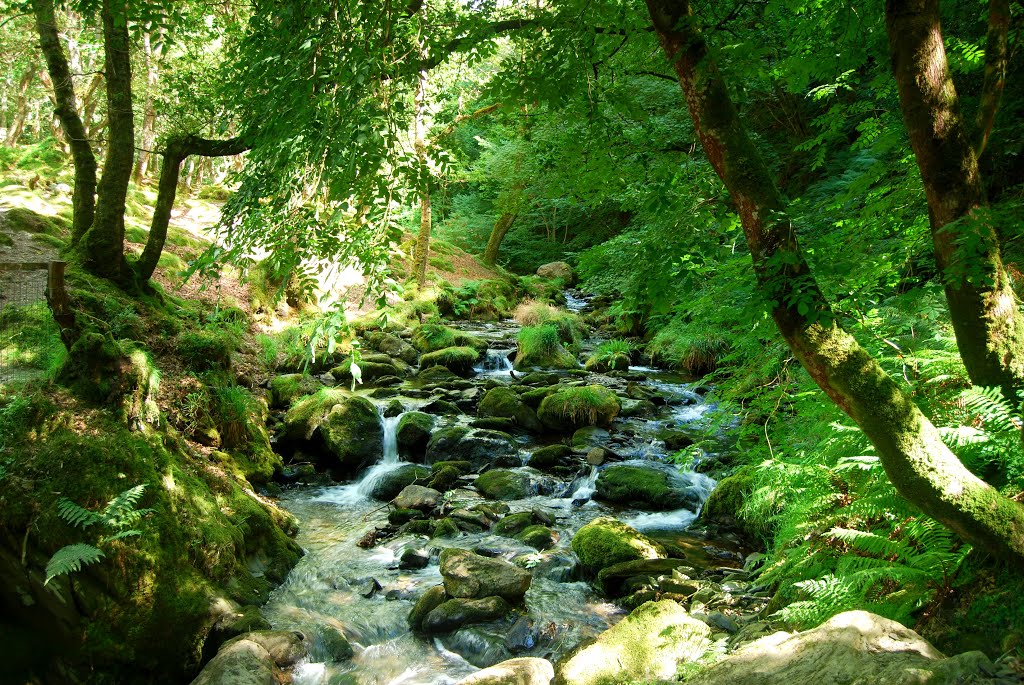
[649, 644]
[469, 575]
[522, 671]
[856, 648]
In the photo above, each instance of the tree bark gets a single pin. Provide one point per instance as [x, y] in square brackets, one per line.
[988, 325]
[498, 233]
[997, 58]
[103, 244]
[21, 106]
[423, 240]
[148, 134]
[175, 152]
[423, 237]
[919, 465]
[66, 109]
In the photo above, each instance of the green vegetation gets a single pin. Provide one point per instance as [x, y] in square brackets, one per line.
[458, 360]
[606, 541]
[433, 337]
[610, 355]
[571, 408]
[541, 346]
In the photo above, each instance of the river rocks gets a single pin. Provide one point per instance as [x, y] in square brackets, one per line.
[725, 501]
[522, 671]
[458, 360]
[649, 644]
[436, 376]
[417, 497]
[392, 345]
[504, 484]
[455, 613]
[413, 558]
[330, 644]
[855, 647]
[303, 418]
[428, 601]
[230, 621]
[413, 434]
[284, 389]
[469, 575]
[606, 541]
[589, 437]
[505, 403]
[240, 663]
[556, 271]
[479, 447]
[369, 371]
[572, 408]
[612, 579]
[538, 537]
[647, 485]
[513, 524]
[393, 482]
[552, 458]
[353, 434]
[445, 528]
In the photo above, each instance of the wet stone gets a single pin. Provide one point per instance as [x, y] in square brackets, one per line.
[413, 558]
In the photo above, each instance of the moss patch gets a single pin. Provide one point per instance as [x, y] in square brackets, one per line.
[572, 408]
[606, 541]
[458, 360]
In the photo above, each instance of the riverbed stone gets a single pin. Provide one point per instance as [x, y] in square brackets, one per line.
[392, 345]
[445, 528]
[513, 524]
[856, 648]
[353, 434]
[553, 271]
[414, 558]
[369, 371]
[606, 541]
[504, 403]
[645, 486]
[538, 537]
[428, 601]
[478, 447]
[572, 408]
[505, 484]
[458, 360]
[242, 662]
[393, 482]
[521, 671]
[469, 575]
[288, 387]
[331, 644]
[552, 458]
[413, 433]
[417, 497]
[455, 613]
[612, 578]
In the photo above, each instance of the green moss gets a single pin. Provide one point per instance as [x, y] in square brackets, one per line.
[611, 355]
[541, 346]
[21, 219]
[538, 537]
[284, 389]
[633, 485]
[606, 541]
[306, 413]
[458, 360]
[726, 501]
[432, 337]
[31, 339]
[207, 349]
[6, 240]
[504, 484]
[573, 408]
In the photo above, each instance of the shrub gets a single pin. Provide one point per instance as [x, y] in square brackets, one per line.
[693, 349]
[532, 313]
[611, 355]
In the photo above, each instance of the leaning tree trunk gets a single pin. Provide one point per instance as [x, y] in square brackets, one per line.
[21, 107]
[498, 233]
[102, 245]
[989, 327]
[422, 249]
[921, 467]
[997, 58]
[423, 241]
[66, 109]
[174, 154]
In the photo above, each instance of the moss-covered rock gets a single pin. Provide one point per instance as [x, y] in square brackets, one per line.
[505, 403]
[353, 435]
[413, 434]
[469, 575]
[541, 347]
[478, 447]
[572, 408]
[649, 644]
[513, 524]
[428, 601]
[288, 387]
[618, 361]
[551, 458]
[456, 613]
[393, 482]
[521, 671]
[303, 418]
[458, 360]
[432, 337]
[443, 478]
[504, 484]
[606, 541]
[369, 371]
[391, 345]
[611, 578]
[646, 486]
[445, 528]
[538, 537]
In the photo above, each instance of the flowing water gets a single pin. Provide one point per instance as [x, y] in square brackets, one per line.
[363, 592]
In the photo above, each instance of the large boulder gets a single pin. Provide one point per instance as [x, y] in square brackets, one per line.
[854, 648]
[413, 434]
[477, 446]
[504, 403]
[458, 360]
[572, 408]
[284, 389]
[468, 575]
[389, 484]
[304, 416]
[553, 458]
[455, 613]
[253, 659]
[521, 671]
[428, 601]
[369, 371]
[505, 484]
[392, 345]
[556, 271]
[353, 434]
[649, 644]
[648, 485]
[606, 541]
[417, 497]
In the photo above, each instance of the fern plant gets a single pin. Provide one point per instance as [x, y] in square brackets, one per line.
[988, 439]
[119, 519]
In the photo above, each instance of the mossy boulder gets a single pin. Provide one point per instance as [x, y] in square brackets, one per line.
[413, 434]
[504, 403]
[504, 484]
[651, 486]
[445, 528]
[477, 446]
[393, 482]
[353, 435]
[436, 376]
[648, 645]
[456, 613]
[542, 347]
[538, 537]
[572, 408]
[428, 601]
[391, 345]
[469, 575]
[369, 371]
[303, 419]
[513, 524]
[551, 458]
[284, 389]
[725, 503]
[612, 578]
[458, 360]
[618, 361]
[556, 271]
[433, 337]
[606, 541]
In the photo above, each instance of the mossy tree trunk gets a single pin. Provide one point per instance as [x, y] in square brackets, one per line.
[422, 249]
[423, 240]
[921, 467]
[17, 126]
[66, 109]
[148, 137]
[988, 325]
[498, 233]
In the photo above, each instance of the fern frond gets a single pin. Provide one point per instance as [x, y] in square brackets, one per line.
[121, 535]
[77, 516]
[120, 512]
[71, 558]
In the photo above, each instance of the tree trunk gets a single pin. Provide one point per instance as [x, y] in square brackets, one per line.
[148, 134]
[423, 237]
[498, 233]
[997, 58]
[989, 328]
[174, 154]
[84, 198]
[921, 467]
[103, 243]
[21, 106]
[423, 241]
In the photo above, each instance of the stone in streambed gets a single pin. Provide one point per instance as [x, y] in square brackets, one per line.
[458, 612]
[646, 486]
[428, 601]
[552, 458]
[413, 434]
[504, 403]
[393, 482]
[538, 537]
[606, 541]
[505, 484]
[612, 578]
[413, 558]
[513, 524]
[353, 434]
[417, 497]
[479, 447]
[521, 671]
[469, 575]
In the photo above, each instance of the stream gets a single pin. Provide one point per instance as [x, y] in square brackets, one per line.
[365, 594]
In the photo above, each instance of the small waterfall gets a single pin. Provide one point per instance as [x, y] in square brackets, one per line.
[575, 304]
[586, 488]
[389, 462]
[496, 363]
